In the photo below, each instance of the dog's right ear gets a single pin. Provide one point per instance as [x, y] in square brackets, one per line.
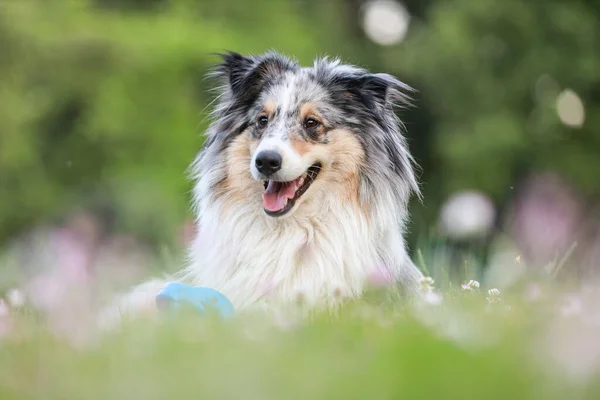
[246, 75]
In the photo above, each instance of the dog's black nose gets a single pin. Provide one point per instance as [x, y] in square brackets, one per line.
[268, 162]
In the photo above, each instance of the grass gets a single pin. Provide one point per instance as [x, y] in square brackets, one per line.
[379, 348]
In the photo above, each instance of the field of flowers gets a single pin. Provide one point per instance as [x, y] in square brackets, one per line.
[535, 342]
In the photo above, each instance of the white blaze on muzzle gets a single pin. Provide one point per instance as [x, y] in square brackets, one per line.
[287, 180]
[292, 164]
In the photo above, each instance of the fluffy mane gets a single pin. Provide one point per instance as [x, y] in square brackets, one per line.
[350, 223]
[251, 257]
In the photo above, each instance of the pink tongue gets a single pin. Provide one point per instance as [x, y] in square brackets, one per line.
[277, 193]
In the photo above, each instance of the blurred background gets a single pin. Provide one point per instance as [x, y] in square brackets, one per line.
[103, 103]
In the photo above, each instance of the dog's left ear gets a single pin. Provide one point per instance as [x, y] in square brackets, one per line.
[384, 90]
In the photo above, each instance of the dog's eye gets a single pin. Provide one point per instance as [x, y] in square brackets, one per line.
[311, 123]
[262, 121]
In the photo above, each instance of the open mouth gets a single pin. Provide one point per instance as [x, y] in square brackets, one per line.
[280, 197]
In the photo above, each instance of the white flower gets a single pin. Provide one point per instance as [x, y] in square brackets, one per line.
[473, 284]
[15, 298]
[427, 280]
[470, 285]
[427, 284]
[493, 296]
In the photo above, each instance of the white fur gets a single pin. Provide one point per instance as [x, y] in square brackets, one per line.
[315, 257]
[292, 166]
[321, 258]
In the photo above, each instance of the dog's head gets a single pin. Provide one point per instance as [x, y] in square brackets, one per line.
[288, 138]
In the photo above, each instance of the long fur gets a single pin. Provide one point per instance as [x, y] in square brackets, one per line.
[348, 224]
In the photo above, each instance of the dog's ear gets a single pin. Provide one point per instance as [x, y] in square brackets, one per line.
[380, 91]
[245, 76]
[376, 92]
[385, 89]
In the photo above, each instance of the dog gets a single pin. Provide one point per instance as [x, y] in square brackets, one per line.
[302, 185]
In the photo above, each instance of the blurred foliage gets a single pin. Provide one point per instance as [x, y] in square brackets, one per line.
[463, 349]
[491, 72]
[103, 101]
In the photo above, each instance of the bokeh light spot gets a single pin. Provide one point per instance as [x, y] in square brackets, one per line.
[570, 108]
[385, 21]
[467, 214]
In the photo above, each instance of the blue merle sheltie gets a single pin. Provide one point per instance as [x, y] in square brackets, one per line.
[301, 188]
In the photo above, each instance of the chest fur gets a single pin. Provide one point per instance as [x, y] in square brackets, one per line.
[250, 258]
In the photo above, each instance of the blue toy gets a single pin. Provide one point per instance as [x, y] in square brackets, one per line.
[174, 295]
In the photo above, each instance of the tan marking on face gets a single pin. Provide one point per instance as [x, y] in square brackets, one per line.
[343, 174]
[238, 186]
[309, 110]
[342, 159]
[269, 107]
[252, 145]
[300, 145]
